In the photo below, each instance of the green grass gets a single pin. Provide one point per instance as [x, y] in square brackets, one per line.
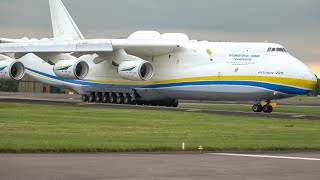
[231, 107]
[304, 98]
[43, 128]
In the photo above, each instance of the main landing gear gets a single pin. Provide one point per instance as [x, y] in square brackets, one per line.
[266, 107]
[124, 98]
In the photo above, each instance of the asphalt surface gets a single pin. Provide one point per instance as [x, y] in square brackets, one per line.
[74, 100]
[157, 166]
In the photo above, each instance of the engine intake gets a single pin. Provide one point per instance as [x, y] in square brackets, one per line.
[71, 69]
[136, 70]
[11, 69]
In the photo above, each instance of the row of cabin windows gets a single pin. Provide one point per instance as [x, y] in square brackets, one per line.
[276, 49]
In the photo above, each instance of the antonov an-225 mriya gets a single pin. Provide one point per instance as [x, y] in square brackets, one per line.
[155, 69]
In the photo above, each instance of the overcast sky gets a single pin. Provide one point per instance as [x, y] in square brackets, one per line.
[292, 23]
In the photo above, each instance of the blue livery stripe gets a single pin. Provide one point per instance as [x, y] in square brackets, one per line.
[274, 87]
[2, 68]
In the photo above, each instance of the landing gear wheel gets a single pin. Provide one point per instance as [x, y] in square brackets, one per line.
[154, 103]
[113, 98]
[147, 103]
[120, 99]
[267, 108]
[98, 98]
[105, 98]
[84, 98]
[171, 103]
[257, 108]
[92, 97]
[133, 102]
[139, 103]
[127, 99]
[162, 103]
[175, 103]
[168, 103]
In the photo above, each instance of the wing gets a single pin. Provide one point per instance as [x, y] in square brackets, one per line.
[6, 40]
[57, 46]
[99, 46]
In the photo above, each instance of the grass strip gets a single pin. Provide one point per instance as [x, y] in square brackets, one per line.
[27, 128]
[241, 107]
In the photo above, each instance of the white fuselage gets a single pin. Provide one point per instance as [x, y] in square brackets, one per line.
[197, 71]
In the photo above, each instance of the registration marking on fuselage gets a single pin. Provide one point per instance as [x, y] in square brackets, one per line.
[266, 156]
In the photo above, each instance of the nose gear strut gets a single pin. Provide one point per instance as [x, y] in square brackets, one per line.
[265, 107]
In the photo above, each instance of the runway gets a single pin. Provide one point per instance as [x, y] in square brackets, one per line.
[159, 166]
[74, 100]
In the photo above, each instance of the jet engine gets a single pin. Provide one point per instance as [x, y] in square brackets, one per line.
[11, 69]
[136, 70]
[71, 69]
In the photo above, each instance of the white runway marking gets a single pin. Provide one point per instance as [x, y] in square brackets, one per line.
[193, 110]
[266, 156]
[300, 115]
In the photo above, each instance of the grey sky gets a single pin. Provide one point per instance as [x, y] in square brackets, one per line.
[292, 23]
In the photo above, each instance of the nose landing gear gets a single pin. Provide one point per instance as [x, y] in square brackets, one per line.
[266, 107]
[257, 108]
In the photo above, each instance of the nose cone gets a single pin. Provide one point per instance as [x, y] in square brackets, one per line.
[310, 78]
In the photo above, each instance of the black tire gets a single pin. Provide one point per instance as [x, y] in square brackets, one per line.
[162, 103]
[105, 98]
[127, 99]
[168, 103]
[147, 103]
[98, 98]
[171, 103]
[120, 99]
[257, 108]
[84, 98]
[133, 102]
[139, 103]
[267, 108]
[112, 98]
[92, 97]
[175, 103]
[154, 103]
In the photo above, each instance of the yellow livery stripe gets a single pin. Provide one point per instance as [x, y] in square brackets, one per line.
[277, 80]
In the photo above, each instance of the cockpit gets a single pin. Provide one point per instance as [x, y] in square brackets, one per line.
[271, 49]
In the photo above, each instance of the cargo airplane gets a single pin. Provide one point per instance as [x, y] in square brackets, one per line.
[149, 68]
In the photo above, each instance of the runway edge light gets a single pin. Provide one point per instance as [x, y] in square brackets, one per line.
[200, 148]
[183, 147]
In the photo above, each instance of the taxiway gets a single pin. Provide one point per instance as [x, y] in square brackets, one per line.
[74, 100]
[206, 166]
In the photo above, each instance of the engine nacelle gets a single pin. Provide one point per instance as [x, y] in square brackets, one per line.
[11, 69]
[136, 70]
[71, 69]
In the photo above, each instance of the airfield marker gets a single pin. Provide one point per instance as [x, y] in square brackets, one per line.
[183, 147]
[200, 148]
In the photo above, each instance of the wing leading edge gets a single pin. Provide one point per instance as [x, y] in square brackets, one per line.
[134, 47]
